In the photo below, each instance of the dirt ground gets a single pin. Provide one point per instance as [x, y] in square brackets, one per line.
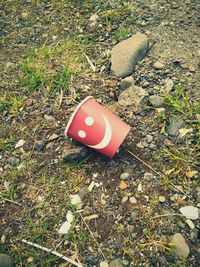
[45, 72]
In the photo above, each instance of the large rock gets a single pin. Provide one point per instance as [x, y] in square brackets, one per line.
[126, 54]
[181, 248]
[116, 263]
[133, 99]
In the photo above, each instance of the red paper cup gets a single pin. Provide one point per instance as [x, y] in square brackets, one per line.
[96, 127]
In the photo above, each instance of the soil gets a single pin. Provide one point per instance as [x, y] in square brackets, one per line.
[122, 230]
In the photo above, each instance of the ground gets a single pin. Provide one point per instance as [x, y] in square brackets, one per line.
[46, 52]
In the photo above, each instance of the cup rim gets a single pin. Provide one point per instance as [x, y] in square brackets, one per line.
[74, 113]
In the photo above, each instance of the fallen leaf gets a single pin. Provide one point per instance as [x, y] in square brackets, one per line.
[184, 131]
[192, 173]
[190, 212]
[91, 186]
[90, 217]
[64, 229]
[76, 200]
[70, 217]
[190, 224]
[3, 239]
[123, 185]
[94, 17]
[6, 185]
[20, 143]
[169, 171]
[30, 260]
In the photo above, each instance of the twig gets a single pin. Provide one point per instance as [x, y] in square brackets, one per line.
[12, 201]
[53, 252]
[166, 215]
[92, 235]
[158, 173]
[90, 62]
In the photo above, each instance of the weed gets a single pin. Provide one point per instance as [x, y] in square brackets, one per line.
[6, 143]
[121, 34]
[51, 68]
[118, 11]
[12, 103]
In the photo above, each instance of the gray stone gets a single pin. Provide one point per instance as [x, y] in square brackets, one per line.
[116, 263]
[124, 199]
[140, 145]
[49, 118]
[124, 176]
[158, 65]
[134, 215]
[149, 138]
[145, 84]
[148, 176]
[133, 99]
[127, 82]
[5, 261]
[74, 154]
[191, 68]
[176, 122]
[126, 54]
[181, 248]
[14, 161]
[169, 84]
[156, 101]
[40, 146]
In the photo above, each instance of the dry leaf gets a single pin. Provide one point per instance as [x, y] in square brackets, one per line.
[191, 174]
[184, 131]
[90, 217]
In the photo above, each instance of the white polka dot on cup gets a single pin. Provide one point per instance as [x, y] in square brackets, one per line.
[81, 134]
[89, 121]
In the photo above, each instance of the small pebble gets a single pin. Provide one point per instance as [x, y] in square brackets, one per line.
[133, 200]
[149, 138]
[161, 199]
[124, 176]
[53, 136]
[140, 145]
[158, 65]
[125, 199]
[148, 176]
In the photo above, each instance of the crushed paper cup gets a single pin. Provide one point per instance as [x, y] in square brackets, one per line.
[96, 127]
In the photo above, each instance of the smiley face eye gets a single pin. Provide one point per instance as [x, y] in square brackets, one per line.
[81, 134]
[89, 121]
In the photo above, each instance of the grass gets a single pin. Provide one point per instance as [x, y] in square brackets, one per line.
[45, 208]
[6, 143]
[119, 10]
[120, 34]
[11, 103]
[180, 158]
[51, 68]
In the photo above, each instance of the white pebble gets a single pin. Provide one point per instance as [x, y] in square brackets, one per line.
[133, 200]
